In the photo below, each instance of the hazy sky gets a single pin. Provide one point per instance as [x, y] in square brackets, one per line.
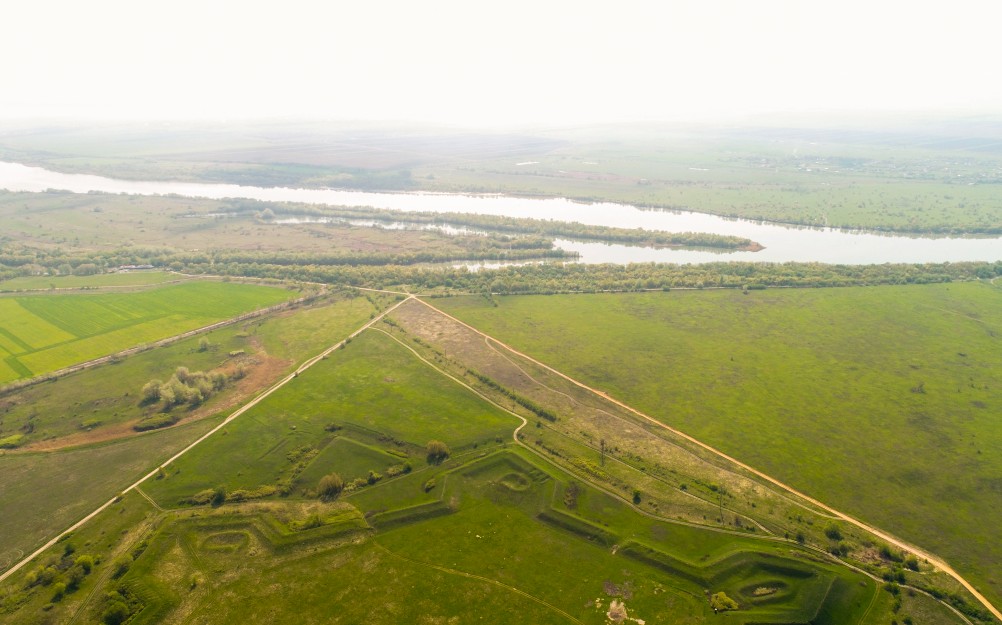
[505, 62]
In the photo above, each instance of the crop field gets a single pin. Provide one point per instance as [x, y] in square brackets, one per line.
[43, 333]
[894, 390]
[122, 279]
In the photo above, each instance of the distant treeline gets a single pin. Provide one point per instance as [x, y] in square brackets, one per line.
[384, 270]
[513, 225]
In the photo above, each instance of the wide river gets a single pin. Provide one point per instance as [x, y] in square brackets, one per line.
[782, 242]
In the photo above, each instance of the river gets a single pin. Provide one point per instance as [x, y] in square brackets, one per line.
[782, 242]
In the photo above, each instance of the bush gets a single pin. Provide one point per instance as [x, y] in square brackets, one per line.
[833, 532]
[12, 441]
[116, 613]
[437, 451]
[155, 422]
[720, 602]
[330, 486]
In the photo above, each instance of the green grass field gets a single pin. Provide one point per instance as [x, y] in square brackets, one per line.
[879, 401]
[494, 538]
[44, 333]
[373, 384]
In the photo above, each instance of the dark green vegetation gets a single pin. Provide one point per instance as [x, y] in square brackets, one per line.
[909, 175]
[43, 333]
[894, 390]
[494, 536]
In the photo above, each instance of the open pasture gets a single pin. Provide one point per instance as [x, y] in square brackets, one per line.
[880, 401]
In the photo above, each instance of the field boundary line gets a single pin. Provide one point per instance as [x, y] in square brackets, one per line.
[239, 411]
[932, 559]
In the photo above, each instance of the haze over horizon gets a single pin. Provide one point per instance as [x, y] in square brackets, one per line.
[518, 63]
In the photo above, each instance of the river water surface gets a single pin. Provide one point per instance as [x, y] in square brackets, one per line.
[782, 242]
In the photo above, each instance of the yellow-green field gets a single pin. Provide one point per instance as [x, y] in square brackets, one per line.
[44, 333]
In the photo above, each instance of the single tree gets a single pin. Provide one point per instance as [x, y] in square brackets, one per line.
[437, 451]
[330, 486]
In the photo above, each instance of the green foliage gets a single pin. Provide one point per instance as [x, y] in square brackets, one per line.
[436, 451]
[12, 441]
[720, 602]
[330, 486]
[116, 613]
[156, 421]
[86, 562]
[833, 532]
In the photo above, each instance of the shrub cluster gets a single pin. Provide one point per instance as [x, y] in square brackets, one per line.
[184, 387]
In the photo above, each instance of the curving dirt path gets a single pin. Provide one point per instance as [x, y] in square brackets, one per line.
[932, 559]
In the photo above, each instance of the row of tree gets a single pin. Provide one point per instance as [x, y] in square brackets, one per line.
[503, 224]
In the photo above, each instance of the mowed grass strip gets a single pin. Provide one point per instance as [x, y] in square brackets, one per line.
[61, 330]
[881, 401]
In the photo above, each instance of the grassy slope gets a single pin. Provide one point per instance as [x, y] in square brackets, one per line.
[47, 332]
[814, 387]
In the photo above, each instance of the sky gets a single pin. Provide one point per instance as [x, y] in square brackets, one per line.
[495, 63]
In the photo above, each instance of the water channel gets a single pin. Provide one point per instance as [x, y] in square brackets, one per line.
[782, 242]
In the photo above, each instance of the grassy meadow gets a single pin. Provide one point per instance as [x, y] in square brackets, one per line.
[495, 537]
[880, 401]
[43, 333]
